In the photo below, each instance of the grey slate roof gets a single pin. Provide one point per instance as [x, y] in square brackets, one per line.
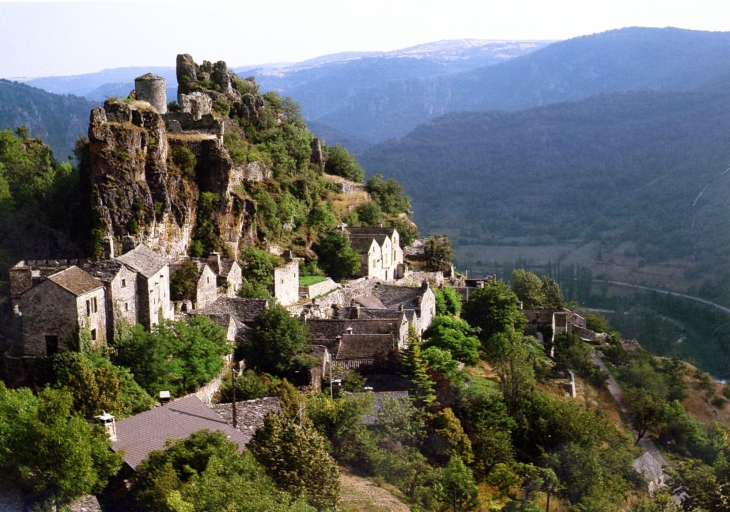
[104, 270]
[372, 232]
[364, 346]
[150, 430]
[368, 301]
[76, 281]
[329, 329]
[242, 310]
[396, 296]
[361, 245]
[144, 260]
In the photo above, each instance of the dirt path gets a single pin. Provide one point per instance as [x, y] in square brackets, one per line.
[359, 494]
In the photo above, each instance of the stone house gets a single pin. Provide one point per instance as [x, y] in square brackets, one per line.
[234, 314]
[28, 273]
[228, 274]
[380, 250]
[419, 299]
[329, 331]
[120, 283]
[153, 284]
[286, 283]
[206, 284]
[54, 311]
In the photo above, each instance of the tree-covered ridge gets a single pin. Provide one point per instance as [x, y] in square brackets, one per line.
[58, 119]
[610, 169]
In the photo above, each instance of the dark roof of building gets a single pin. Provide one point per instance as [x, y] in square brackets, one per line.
[364, 346]
[329, 329]
[150, 430]
[395, 296]
[104, 270]
[144, 260]
[379, 238]
[370, 231]
[242, 310]
[76, 280]
[225, 267]
[361, 245]
[369, 301]
[250, 414]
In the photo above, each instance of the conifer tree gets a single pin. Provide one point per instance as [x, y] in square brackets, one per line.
[415, 370]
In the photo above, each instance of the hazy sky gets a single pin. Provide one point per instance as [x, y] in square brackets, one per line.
[65, 38]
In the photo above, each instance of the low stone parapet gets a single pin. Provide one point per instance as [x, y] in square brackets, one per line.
[318, 289]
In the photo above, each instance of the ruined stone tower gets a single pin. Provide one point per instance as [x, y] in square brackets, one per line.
[152, 89]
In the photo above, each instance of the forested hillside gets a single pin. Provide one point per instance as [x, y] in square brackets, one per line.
[630, 59]
[58, 119]
[611, 168]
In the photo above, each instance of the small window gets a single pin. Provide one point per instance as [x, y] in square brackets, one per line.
[93, 334]
[208, 279]
[94, 307]
[88, 307]
[51, 345]
[126, 306]
[124, 283]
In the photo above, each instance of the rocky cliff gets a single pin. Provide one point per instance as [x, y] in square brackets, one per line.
[165, 179]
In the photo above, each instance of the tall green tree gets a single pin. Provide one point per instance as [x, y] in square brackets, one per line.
[388, 194]
[438, 252]
[278, 342]
[175, 356]
[494, 309]
[340, 162]
[459, 488]
[455, 335]
[416, 371]
[47, 452]
[528, 288]
[296, 459]
[336, 257]
[206, 472]
[448, 301]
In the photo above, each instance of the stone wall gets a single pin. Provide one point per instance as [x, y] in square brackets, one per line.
[207, 392]
[317, 290]
[207, 288]
[121, 300]
[435, 279]
[286, 283]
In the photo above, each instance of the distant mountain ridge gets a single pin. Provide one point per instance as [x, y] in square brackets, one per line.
[615, 61]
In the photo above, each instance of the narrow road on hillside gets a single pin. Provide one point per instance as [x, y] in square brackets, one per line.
[665, 292]
[618, 395]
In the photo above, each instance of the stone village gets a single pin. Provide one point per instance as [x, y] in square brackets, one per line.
[350, 325]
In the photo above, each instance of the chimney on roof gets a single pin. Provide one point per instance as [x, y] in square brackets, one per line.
[356, 312]
[108, 422]
[109, 247]
[349, 330]
[214, 261]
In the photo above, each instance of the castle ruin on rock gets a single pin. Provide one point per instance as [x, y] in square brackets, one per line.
[140, 189]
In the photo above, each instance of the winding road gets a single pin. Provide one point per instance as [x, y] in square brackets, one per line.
[665, 292]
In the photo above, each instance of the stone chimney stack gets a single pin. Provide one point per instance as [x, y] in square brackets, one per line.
[109, 247]
[152, 89]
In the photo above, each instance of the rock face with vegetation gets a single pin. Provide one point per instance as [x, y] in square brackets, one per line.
[168, 179]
